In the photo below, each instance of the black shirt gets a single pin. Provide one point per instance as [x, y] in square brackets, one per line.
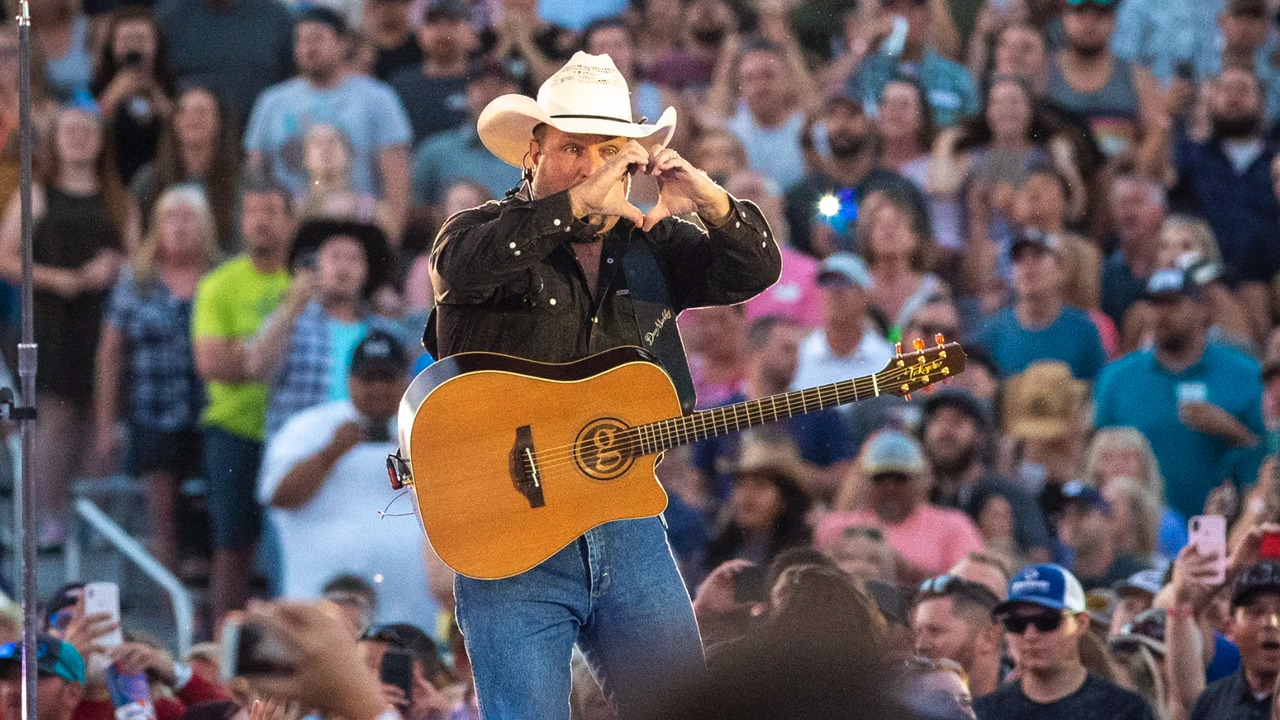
[1231, 699]
[506, 279]
[1096, 699]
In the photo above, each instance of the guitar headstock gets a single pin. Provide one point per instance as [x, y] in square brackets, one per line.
[921, 368]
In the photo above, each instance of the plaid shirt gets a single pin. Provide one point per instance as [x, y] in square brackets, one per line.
[303, 378]
[165, 392]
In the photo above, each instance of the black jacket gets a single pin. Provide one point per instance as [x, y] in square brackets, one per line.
[506, 279]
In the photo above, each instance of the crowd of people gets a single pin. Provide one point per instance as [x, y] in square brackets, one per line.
[234, 206]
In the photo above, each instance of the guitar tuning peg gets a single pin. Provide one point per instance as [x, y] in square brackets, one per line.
[897, 348]
[919, 344]
[907, 397]
[939, 340]
[929, 389]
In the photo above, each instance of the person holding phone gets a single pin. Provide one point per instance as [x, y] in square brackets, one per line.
[301, 350]
[326, 492]
[134, 86]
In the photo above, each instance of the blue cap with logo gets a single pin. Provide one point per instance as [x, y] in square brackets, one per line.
[1047, 585]
[53, 657]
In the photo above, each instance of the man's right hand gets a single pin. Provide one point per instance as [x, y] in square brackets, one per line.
[604, 192]
[302, 288]
[348, 435]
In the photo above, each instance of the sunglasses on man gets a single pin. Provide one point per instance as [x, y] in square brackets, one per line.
[1043, 622]
[1107, 6]
[945, 585]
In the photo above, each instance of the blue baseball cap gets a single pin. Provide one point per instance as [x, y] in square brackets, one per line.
[1080, 494]
[1047, 585]
[53, 657]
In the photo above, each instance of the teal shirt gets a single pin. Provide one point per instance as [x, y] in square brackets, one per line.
[1136, 391]
[1072, 338]
[343, 339]
[950, 89]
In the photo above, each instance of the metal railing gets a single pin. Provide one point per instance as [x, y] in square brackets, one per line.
[133, 551]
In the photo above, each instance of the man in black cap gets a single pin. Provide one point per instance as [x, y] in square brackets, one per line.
[955, 434]
[366, 110]
[337, 266]
[434, 91]
[324, 484]
[1198, 402]
[1255, 610]
[1040, 325]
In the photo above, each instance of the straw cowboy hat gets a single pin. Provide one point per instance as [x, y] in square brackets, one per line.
[587, 96]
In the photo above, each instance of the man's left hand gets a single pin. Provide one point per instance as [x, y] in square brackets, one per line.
[1213, 420]
[683, 189]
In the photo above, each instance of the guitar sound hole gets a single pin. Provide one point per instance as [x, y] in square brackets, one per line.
[603, 451]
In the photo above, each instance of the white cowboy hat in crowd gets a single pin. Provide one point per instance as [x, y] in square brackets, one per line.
[588, 96]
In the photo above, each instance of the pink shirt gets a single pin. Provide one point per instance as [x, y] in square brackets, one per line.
[795, 295]
[932, 538]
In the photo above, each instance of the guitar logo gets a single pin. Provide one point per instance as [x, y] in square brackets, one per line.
[600, 452]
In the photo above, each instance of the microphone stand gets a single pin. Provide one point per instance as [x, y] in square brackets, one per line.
[25, 414]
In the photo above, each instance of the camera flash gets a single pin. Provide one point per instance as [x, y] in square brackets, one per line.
[829, 205]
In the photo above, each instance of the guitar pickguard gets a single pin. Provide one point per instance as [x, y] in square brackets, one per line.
[600, 452]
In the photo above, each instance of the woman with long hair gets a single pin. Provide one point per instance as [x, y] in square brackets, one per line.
[890, 237]
[84, 222]
[146, 342]
[199, 145]
[327, 154]
[907, 133]
[1118, 452]
[997, 150]
[134, 86]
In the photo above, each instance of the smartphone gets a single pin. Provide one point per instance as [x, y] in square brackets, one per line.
[1208, 533]
[397, 669]
[250, 649]
[896, 42]
[104, 597]
[748, 585]
[1270, 549]
[377, 431]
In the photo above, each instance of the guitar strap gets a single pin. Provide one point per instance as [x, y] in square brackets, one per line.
[655, 317]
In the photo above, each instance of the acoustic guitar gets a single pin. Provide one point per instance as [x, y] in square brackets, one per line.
[511, 460]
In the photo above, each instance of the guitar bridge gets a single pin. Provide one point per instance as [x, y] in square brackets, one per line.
[524, 468]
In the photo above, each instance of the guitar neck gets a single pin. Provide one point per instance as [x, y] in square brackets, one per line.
[665, 434]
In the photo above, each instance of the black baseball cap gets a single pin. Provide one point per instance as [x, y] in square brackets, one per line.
[323, 15]
[1262, 577]
[1107, 5]
[380, 356]
[1168, 283]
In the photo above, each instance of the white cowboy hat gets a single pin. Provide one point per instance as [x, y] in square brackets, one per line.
[588, 96]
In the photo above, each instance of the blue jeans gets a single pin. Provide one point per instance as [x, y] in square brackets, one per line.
[615, 592]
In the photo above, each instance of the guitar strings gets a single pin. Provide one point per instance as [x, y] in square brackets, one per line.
[637, 438]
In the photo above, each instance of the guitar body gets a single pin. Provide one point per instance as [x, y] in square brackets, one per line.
[470, 423]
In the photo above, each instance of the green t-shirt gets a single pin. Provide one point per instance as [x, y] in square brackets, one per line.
[231, 302]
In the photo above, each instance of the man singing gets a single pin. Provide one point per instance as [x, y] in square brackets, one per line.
[550, 274]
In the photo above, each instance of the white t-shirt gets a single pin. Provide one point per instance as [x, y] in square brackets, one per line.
[339, 530]
[819, 365]
[773, 152]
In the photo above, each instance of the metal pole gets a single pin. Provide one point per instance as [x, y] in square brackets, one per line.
[23, 490]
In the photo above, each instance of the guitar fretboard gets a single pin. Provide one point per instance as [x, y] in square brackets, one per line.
[665, 434]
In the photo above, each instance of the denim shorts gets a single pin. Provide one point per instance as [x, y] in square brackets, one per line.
[177, 453]
[231, 464]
